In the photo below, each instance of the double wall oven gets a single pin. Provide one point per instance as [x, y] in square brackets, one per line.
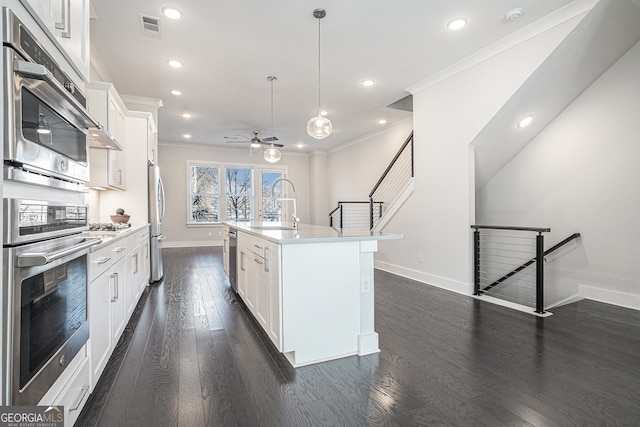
[45, 241]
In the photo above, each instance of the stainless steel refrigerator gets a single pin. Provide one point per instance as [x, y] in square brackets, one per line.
[156, 214]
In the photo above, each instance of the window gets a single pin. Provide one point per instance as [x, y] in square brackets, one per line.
[204, 191]
[239, 193]
[235, 193]
[271, 206]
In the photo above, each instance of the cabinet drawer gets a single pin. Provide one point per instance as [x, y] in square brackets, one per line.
[104, 258]
[75, 393]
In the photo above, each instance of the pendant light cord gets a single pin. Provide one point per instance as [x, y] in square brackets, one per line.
[319, 65]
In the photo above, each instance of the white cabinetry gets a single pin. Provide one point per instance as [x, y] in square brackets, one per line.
[108, 167]
[152, 141]
[106, 303]
[67, 24]
[259, 283]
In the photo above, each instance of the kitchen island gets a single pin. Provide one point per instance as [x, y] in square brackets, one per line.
[310, 288]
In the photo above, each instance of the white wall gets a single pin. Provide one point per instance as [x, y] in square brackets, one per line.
[582, 174]
[173, 160]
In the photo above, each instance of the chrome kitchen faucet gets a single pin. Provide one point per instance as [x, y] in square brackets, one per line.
[296, 220]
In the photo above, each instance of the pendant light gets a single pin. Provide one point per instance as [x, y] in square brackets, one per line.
[272, 154]
[319, 127]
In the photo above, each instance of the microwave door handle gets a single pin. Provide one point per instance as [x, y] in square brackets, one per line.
[37, 259]
[40, 72]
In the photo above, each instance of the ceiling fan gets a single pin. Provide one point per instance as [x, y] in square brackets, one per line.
[255, 141]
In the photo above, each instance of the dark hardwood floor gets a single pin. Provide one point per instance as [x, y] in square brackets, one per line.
[192, 356]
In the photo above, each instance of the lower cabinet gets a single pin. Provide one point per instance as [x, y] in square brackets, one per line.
[119, 274]
[259, 283]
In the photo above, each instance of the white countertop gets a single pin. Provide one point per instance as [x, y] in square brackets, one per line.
[306, 233]
[109, 237]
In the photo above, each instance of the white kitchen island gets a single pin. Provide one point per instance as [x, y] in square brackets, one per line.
[311, 288]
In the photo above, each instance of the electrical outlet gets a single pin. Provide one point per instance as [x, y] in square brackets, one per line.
[209, 234]
[365, 285]
[420, 257]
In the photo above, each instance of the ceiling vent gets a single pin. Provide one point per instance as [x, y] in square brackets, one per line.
[150, 27]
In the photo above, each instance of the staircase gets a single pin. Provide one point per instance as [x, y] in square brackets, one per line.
[387, 196]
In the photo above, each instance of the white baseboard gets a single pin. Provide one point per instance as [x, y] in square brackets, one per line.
[193, 244]
[621, 299]
[431, 279]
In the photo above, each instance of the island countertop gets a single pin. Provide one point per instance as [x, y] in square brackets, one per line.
[284, 233]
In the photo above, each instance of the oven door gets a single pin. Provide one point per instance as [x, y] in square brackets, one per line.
[48, 284]
[45, 126]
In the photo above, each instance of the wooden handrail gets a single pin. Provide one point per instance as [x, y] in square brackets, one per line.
[398, 154]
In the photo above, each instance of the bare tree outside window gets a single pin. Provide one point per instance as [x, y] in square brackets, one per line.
[239, 194]
[271, 205]
[204, 188]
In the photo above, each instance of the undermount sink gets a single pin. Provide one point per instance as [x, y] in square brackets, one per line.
[268, 226]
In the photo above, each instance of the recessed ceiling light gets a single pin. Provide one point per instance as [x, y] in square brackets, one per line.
[526, 121]
[382, 121]
[171, 12]
[186, 136]
[457, 23]
[514, 14]
[174, 63]
[186, 115]
[300, 145]
[176, 92]
[367, 82]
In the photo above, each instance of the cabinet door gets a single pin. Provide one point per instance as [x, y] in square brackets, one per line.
[100, 291]
[117, 300]
[262, 297]
[243, 272]
[74, 34]
[225, 254]
[145, 267]
[152, 142]
[131, 281]
[116, 159]
[272, 260]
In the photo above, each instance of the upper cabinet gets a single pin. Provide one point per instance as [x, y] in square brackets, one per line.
[67, 24]
[108, 167]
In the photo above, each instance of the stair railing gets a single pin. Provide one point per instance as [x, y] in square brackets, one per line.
[502, 253]
[351, 214]
[392, 181]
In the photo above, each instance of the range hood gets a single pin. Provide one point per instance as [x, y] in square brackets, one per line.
[99, 137]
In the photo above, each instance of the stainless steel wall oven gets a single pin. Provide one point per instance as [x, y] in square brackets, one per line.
[45, 283]
[45, 118]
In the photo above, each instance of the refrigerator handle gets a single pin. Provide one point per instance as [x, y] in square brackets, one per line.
[161, 195]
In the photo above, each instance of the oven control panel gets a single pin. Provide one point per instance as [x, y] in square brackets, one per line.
[30, 220]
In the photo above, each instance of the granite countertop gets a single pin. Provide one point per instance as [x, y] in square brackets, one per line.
[109, 237]
[283, 233]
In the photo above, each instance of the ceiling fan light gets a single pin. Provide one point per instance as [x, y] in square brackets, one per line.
[255, 144]
[319, 127]
[272, 155]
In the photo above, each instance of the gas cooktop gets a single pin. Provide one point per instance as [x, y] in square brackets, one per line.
[108, 226]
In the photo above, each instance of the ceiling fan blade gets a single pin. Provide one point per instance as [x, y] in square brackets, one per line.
[236, 142]
[271, 143]
[237, 136]
[271, 138]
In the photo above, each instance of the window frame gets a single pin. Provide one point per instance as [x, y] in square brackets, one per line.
[190, 221]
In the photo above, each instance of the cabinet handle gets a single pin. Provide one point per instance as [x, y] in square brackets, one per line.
[136, 263]
[60, 25]
[242, 261]
[119, 176]
[83, 393]
[257, 246]
[258, 261]
[266, 259]
[104, 260]
[119, 249]
[66, 33]
[114, 276]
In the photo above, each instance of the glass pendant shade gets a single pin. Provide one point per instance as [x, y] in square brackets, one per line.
[319, 127]
[272, 155]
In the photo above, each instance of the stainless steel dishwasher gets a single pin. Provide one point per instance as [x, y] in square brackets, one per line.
[233, 259]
